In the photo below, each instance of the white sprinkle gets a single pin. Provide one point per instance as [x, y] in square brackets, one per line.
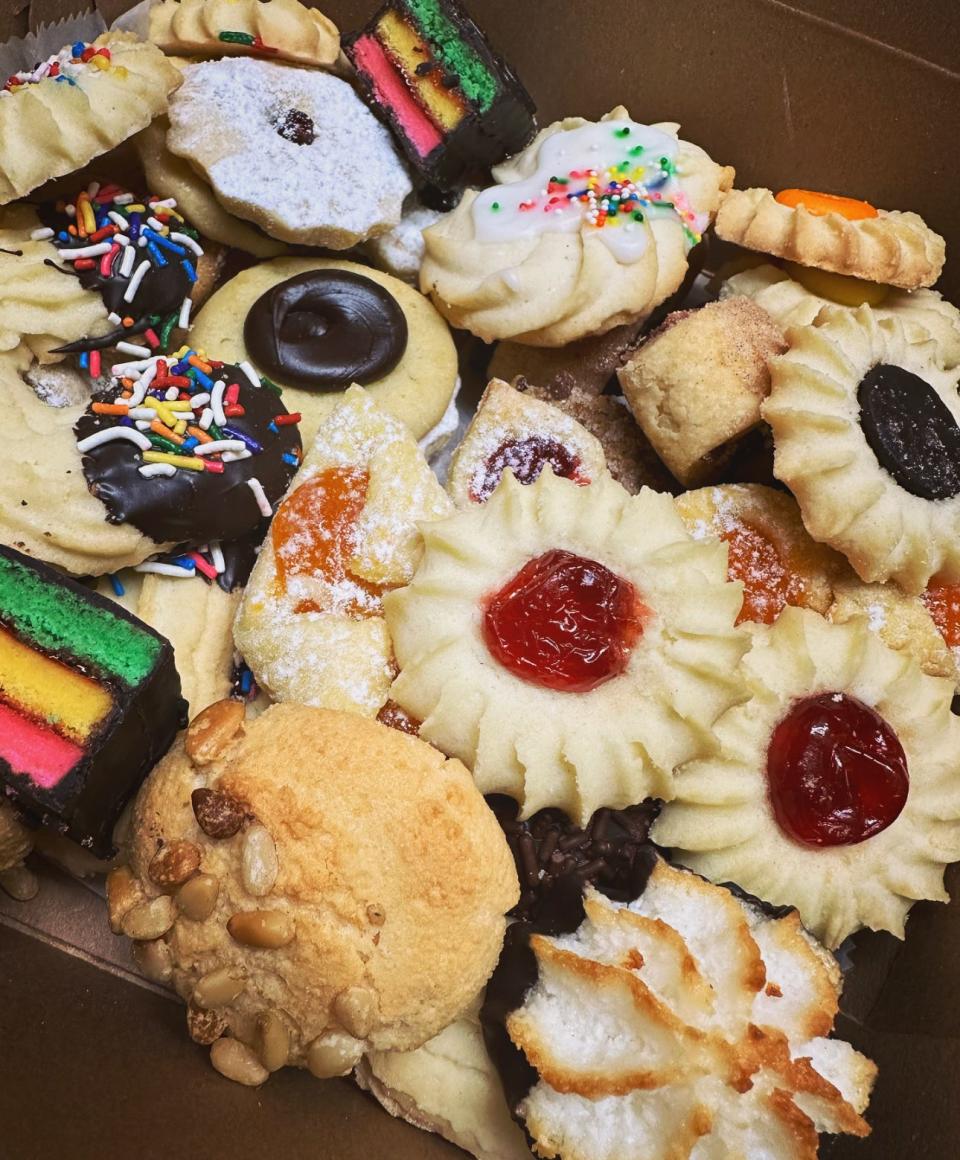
[260, 496]
[165, 569]
[216, 403]
[250, 373]
[148, 471]
[126, 262]
[41, 234]
[172, 393]
[233, 456]
[118, 220]
[184, 320]
[186, 416]
[133, 348]
[86, 251]
[144, 424]
[142, 413]
[123, 199]
[121, 370]
[156, 224]
[142, 241]
[216, 555]
[113, 318]
[184, 240]
[93, 189]
[137, 278]
[200, 400]
[205, 419]
[166, 203]
[71, 210]
[120, 239]
[110, 434]
[220, 445]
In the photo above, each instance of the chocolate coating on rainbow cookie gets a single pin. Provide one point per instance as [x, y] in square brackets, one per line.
[325, 329]
[207, 495]
[911, 431]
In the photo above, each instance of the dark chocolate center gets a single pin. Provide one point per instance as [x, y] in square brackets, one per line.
[297, 126]
[912, 432]
[326, 329]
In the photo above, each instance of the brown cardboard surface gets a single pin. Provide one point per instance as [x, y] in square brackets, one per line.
[856, 96]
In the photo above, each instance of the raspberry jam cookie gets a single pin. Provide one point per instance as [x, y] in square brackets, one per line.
[311, 624]
[691, 1021]
[795, 295]
[313, 326]
[837, 790]
[293, 150]
[834, 233]
[768, 548]
[314, 885]
[281, 30]
[572, 645]
[512, 429]
[866, 431]
[588, 228]
[76, 105]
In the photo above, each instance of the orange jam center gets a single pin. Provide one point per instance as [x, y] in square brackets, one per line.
[824, 203]
[315, 534]
[767, 583]
[943, 604]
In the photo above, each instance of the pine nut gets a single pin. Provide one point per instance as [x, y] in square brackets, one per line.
[149, 920]
[259, 865]
[197, 898]
[354, 1009]
[217, 988]
[123, 893]
[333, 1053]
[174, 863]
[20, 883]
[153, 959]
[204, 1027]
[273, 1041]
[268, 929]
[237, 1062]
[218, 813]
[212, 731]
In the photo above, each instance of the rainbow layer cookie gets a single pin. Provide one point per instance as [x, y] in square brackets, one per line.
[454, 104]
[89, 701]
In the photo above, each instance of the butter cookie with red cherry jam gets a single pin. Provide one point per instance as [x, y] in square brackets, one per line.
[866, 430]
[571, 644]
[837, 785]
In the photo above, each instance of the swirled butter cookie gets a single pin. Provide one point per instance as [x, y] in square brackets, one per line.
[281, 30]
[572, 645]
[839, 234]
[587, 229]
[76, 105]
[795, 295]
[837, 786]
[315, 885]
[866, 431]
[313, 326]
[311, 625]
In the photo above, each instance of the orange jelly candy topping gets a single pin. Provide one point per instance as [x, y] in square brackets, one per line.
[767, 583]
[315, 534]
[943, 604]
[823, 203]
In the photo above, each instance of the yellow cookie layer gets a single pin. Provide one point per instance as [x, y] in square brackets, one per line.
[50, 691]
[406, 49]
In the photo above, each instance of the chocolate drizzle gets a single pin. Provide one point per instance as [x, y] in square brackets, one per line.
[326, 329]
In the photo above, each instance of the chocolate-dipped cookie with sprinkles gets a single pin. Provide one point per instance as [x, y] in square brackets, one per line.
[188, 449]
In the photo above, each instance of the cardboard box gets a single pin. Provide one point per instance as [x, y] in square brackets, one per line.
[856, 96]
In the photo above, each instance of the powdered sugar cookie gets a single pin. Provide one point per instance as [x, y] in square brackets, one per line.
[294, 150]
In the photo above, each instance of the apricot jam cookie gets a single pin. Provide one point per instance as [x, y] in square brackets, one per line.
[866, 432]
[769, 550]
[512, 429]
[281, 30]
[572, 645]
[311, 623]
[314, 885]
[795, 295]
[832, 233]
[587, 229]
[837, 787]
[688, 1022]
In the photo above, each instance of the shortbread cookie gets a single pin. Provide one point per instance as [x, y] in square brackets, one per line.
[794, 296]
[313, 326]
[837, 787]
[512, 429]
[587, 229]
[696, 384]
[768, 549]
[867, 437]
[314, 885]
[586, 366]
[689, 1022]
[834, 233]
[171, 176]
[572, 645]
[311, 625]
[280, 30]
[76, 105]
[293, 150]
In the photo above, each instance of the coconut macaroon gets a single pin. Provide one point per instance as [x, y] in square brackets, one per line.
[314, 885]
[688, 1020]
[837, 787]
[866, 430]
[588, 228]
[572, 645]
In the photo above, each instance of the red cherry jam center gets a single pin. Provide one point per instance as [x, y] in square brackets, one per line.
[526, 458]
[564, 622]
[768, 585]
[836, 772]
[943, 604]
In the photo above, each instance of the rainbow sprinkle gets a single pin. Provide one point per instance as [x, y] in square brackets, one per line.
[246, 39]
[65, 66]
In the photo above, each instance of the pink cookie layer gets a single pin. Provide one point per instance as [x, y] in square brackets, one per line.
[35, 750]
[390, 90]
